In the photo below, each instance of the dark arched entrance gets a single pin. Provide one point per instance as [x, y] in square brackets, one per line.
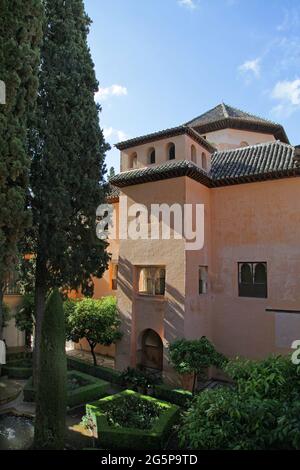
[152, 350]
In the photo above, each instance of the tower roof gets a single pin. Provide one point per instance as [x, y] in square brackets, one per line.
[224, 116]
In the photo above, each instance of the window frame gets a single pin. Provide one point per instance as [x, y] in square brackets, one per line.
[171, 145]
[154, 278]
[254, 289]
[202, 281]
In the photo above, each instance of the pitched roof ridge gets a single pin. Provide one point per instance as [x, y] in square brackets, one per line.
[255, 116]
[225, 109]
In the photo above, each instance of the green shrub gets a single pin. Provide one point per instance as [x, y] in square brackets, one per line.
[18, 369]
[89, 388]
[136, 378]
[178, 396]
[96, 320]
[195, 357]
[105, 373]
[260, 412]
[117, 437]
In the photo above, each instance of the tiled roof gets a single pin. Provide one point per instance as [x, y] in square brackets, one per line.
[174, 131]
[223, 116]
[260, 162]
[112, 193]
[271, 157]
[222, 111]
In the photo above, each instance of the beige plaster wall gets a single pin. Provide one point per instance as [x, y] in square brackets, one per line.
[183, 152]
[255, 222]
[232, 138]
[163, 315]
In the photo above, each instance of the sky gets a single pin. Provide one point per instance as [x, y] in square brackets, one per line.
[161, 63]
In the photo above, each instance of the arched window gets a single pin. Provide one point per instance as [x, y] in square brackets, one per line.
[246, 274]
[133, 160]
[171, 151]
[260, 274]
[203, 161]
[244, 144]
[151, 156]
[193, 154]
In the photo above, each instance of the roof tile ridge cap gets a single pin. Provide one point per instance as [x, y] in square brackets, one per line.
[254, 115]
[149, 134]
[226, 115]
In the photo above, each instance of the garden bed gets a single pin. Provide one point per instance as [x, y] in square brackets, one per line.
[103, 373]
[18, 369]
[129, 420]
[81, 388]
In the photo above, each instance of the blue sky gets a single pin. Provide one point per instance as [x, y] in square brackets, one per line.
[162, 62]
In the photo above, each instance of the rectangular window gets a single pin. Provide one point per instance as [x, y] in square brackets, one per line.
[203, 279]
[151, 280]
[253, 279]
[114, 276]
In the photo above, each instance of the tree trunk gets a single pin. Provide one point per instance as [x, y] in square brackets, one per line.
[39, 307]
[194, 383]
[92, 346]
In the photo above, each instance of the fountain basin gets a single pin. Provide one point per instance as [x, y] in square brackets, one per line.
[16, 431]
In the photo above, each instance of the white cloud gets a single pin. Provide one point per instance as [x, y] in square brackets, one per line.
[288, 94]
[113, 90]
[191, 4]
[251, 67]
[114, 134]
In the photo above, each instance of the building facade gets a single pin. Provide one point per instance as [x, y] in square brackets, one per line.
[242, 289]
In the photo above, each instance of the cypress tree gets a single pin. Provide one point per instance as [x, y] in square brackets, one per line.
[20, 37]
[68, 151]
[51, 393]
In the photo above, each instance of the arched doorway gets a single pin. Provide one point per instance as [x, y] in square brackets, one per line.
[152, 350]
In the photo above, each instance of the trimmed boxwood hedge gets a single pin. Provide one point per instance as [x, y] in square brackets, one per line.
[178, 396]
[111, 437]
[94, 390]
[104, 373]
[14, 356]
[17, 370]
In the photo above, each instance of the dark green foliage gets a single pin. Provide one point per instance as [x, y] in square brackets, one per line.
[105, 373]
[51, 393]
[68, 151]
[18, 369]
[25, 316]
[260, 412]
[112, 437]
[135, 378]
[67, 171]
[20, 36]
[132, 412]
[81, 388]
[178, 396]
[194, 357]
[95, 320]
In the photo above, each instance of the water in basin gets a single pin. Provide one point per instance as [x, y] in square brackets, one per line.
[16, 432]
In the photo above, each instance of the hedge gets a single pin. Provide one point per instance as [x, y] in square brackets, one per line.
[17, 369]
[178, 396]
[111, 437]
[13, 356]
[94, 390]
[104, 373]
